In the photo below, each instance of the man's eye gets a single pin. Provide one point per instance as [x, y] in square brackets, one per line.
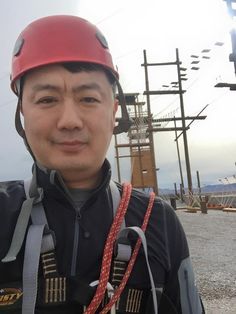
[46, 100]
[90, 99]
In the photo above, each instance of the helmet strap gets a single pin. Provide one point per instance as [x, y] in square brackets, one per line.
[19, 128]
[125, 122]
[18, 124]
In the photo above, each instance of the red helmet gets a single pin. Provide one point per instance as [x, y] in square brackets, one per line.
[56, 39]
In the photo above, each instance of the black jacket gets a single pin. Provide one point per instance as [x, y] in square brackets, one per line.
[80, 238]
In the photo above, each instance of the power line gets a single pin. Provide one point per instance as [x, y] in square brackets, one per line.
[6, 75]
[7, 103]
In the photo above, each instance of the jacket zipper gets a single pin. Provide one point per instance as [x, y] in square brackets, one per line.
[76, 244]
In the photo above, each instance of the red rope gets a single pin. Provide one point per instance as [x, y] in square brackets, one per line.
[108, 250]
[132, 260]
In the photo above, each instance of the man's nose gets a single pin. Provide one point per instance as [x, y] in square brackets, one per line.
[70, 116]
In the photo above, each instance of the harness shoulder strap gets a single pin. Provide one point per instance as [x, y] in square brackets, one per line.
[38, 217]
[27, 186]
[22, 223]
[38, 240]
[115, 194]
[123, 251]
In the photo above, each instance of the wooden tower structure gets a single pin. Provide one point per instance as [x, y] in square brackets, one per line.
[141, 150]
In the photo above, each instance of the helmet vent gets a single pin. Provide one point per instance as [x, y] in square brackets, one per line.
[102, 40]
[18, 45]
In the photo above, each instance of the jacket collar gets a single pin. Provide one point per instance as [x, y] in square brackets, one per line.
[52, 182]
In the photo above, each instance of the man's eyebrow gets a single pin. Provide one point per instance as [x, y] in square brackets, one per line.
[41, 87]
[79, 88]
[89, 86]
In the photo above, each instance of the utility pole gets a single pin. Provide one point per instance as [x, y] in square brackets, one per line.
[179, 160]
[188, 169]
[141, 141]
[150, 123]
[117, 159]
[199, 186]
[179, 91]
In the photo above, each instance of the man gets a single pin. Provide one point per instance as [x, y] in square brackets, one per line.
[66, 245]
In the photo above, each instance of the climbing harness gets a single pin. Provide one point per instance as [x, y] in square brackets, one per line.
[40, 240]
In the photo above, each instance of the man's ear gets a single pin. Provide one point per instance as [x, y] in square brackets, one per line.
[21, 107]
[115, 108]
[116, 104]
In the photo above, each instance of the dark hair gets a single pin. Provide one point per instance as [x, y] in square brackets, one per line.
[75, 67]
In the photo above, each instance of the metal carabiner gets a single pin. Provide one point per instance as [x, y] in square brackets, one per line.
[110, 293]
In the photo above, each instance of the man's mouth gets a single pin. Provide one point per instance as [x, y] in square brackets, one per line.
[70, 145]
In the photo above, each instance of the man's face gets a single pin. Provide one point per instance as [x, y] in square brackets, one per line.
[69, 120]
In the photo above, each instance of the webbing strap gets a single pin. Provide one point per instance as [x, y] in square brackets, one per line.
[20, 230]
[30, 268]
[38, 215]
[124, 251]
[115, 193]
[27, 183]
[23, 219]
[39, 218]
[141, 236]
[36, 243]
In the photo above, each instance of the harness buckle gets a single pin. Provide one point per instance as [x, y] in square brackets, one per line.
[110, 293]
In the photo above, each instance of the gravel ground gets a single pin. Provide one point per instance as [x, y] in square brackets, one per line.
[212, 244]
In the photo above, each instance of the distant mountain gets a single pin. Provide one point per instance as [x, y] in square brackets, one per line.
[219, 188]
[166, 191]
[214, 188]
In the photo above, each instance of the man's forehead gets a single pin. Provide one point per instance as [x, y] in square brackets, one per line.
[50, 76]
[52, 69]
[78, 87]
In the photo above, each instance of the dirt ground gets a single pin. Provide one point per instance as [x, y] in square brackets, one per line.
[212, 243]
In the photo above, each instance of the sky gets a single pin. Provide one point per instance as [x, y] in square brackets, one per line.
[159, 27]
